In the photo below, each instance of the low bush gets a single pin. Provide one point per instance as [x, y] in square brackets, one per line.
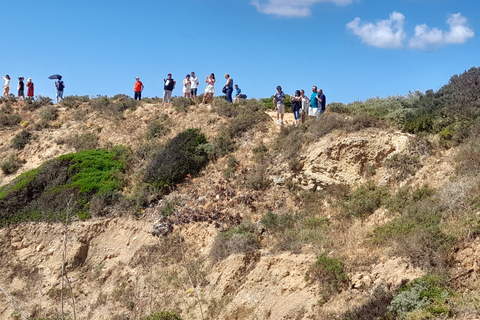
[74, 101]
[11, 165]
[427, 295]
[402, 165]
[232, 165]
[9, 119]
[364, 200]
[113, 106]
[468, 158]
[21, 140]
[34, 104]
[417, 234]
[329, 273]
[48, 113]
[255, 178]
[291, 232]
[182, 155]
[83, 141]
[159, 127]
[240, 239]
[182, 104]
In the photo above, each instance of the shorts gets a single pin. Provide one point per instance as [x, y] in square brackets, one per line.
[313, 112]
[21, 93]
[193, 91]
[210, 89]
[6, 90]
[186, 89]
[60, 94]
[280, 108]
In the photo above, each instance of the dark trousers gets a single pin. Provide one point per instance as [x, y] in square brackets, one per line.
[138, 94]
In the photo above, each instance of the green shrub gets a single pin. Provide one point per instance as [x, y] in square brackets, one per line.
[181, 156]
[427, 294]
[329, 273]
[21, 140]
[364, 200]
[162, 315]
[48, 113]
[417, 234]
[62, 186]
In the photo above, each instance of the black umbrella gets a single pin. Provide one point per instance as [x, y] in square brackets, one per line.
[55, 76]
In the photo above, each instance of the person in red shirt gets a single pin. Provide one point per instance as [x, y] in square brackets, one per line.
[30, 88]
[137, 89]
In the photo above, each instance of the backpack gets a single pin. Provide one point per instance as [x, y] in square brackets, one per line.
[60, 85]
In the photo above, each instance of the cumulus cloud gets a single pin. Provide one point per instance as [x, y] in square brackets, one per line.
[384, 34]
[291, 8]
[426, 38]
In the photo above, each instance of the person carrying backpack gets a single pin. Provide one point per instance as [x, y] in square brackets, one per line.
[59, 85]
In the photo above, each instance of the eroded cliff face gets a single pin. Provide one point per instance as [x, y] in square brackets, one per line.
[118, 270]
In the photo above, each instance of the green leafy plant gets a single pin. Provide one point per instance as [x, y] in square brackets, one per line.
[427, 294]
[162, 315]
[364, 200]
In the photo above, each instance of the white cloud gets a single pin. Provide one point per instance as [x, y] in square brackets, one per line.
[291, 8]
[384, 34]
[431, 39]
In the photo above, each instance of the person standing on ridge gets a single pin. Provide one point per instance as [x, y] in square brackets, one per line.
[169, 85]
[305, 102]
[321, 102]
[194, 86]
[21, 89]
[6, 86]
[30, 88]
[279, 104]
[209, 89]
[229, 87]
[313, 110]
[187, 86]
[137, 89]
[59, 86]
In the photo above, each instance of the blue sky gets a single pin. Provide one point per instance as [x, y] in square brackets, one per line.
[352, 49]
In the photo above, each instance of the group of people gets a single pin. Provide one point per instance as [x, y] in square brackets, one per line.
[59, 86]
[20, 87]
[302, 105]
[190, 88]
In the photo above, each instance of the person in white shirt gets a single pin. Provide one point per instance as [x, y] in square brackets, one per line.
[194, 86]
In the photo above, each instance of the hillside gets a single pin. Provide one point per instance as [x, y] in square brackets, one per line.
[370, 212]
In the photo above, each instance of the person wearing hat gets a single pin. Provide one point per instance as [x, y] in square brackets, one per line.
[137, 89]
[30, 88]
[21, 89]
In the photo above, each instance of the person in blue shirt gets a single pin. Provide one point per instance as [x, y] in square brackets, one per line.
[238, 92]
[313, 110]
